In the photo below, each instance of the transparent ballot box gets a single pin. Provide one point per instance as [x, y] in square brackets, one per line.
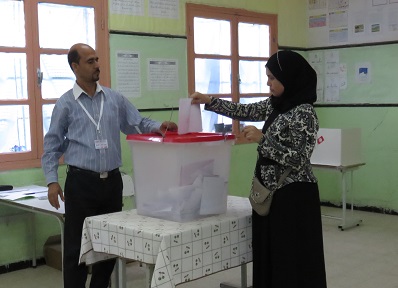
[181, 177]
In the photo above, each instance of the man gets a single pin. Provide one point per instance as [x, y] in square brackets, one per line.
[85, 128]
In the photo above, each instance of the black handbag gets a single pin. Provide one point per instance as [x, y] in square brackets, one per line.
[261, 197]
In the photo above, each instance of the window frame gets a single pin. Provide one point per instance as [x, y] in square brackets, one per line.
[235, 16]
[32, 159]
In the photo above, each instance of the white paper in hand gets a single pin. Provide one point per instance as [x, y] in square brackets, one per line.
[189, 117]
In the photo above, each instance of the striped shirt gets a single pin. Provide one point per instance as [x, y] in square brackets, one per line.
[72, 133]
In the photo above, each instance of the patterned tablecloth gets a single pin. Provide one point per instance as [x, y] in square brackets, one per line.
[180, 251]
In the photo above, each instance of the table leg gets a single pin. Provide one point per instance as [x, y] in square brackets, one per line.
[62, 224]
[352, 222]
[352, 193]
[243, 279]
[118, 277]
[33, 238]
[150, 268]
[122, 272]
[344, 197]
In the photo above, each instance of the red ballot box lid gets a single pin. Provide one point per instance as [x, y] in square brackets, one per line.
[174, 137]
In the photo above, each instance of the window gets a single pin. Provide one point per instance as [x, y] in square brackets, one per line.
[227, 53]
[34, 71]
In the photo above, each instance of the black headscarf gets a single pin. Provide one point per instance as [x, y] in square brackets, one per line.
[298, 78]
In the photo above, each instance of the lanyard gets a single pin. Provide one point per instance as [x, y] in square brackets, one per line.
[90, 117]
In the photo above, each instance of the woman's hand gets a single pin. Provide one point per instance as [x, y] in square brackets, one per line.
[199, 98]
[252, 134]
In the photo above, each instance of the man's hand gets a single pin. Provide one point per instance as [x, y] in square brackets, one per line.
[168, 126]
[54, 190]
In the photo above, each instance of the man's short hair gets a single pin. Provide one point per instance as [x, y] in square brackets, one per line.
[73, 57]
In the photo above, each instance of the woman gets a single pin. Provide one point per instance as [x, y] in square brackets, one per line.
[288, 243]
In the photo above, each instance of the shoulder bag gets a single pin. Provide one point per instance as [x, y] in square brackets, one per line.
[261, 197]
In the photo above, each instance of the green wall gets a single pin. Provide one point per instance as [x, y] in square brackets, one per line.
[375, 184]
[383, 85]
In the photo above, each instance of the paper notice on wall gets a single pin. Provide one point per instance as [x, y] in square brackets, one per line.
[127, 7]
[164, 8]
[163, 74]
[316, 4]
[128, 76]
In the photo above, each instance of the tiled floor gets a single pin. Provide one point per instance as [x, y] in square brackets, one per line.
[364, 256]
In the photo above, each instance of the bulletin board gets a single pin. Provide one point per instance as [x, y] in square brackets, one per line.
[380, 86]
[347, 22]
[138, 81]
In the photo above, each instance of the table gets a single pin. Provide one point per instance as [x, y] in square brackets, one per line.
[175, 252]
[36, 205]
[345, 188]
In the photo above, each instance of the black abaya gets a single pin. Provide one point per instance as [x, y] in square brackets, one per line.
[288, 243]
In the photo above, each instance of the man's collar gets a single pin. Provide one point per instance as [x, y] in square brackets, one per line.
[77, 90]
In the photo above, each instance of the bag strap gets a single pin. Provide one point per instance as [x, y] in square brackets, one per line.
[283, 177]
[267, 123]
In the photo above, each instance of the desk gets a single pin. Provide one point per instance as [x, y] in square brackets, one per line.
[345, 222]
[35, 205]
[176, 252]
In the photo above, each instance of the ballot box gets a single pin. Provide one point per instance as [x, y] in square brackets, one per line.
[181, 177]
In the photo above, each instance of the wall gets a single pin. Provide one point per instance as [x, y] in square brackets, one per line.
[370, 105]
[292, 23]
[375, 183]
[380, 88]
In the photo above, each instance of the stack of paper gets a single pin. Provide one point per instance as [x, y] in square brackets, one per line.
[32, 191]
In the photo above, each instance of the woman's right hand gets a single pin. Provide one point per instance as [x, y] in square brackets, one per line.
[199, 98]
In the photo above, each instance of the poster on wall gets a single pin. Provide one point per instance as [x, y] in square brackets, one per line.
[363, 73]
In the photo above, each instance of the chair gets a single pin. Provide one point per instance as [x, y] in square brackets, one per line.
[128, 191]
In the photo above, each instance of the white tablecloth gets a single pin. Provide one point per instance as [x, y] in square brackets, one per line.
[180, 251]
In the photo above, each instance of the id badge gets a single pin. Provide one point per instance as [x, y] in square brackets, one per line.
[101, 144]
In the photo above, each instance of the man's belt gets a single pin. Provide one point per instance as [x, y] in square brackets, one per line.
[102, 175]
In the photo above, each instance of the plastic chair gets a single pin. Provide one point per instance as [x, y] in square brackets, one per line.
[128, 188]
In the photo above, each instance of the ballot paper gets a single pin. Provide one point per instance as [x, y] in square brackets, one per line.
[189, 117]
[214, 196]
[190, 172]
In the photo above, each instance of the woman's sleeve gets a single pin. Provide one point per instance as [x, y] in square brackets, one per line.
[247, 112]
[290, 141]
